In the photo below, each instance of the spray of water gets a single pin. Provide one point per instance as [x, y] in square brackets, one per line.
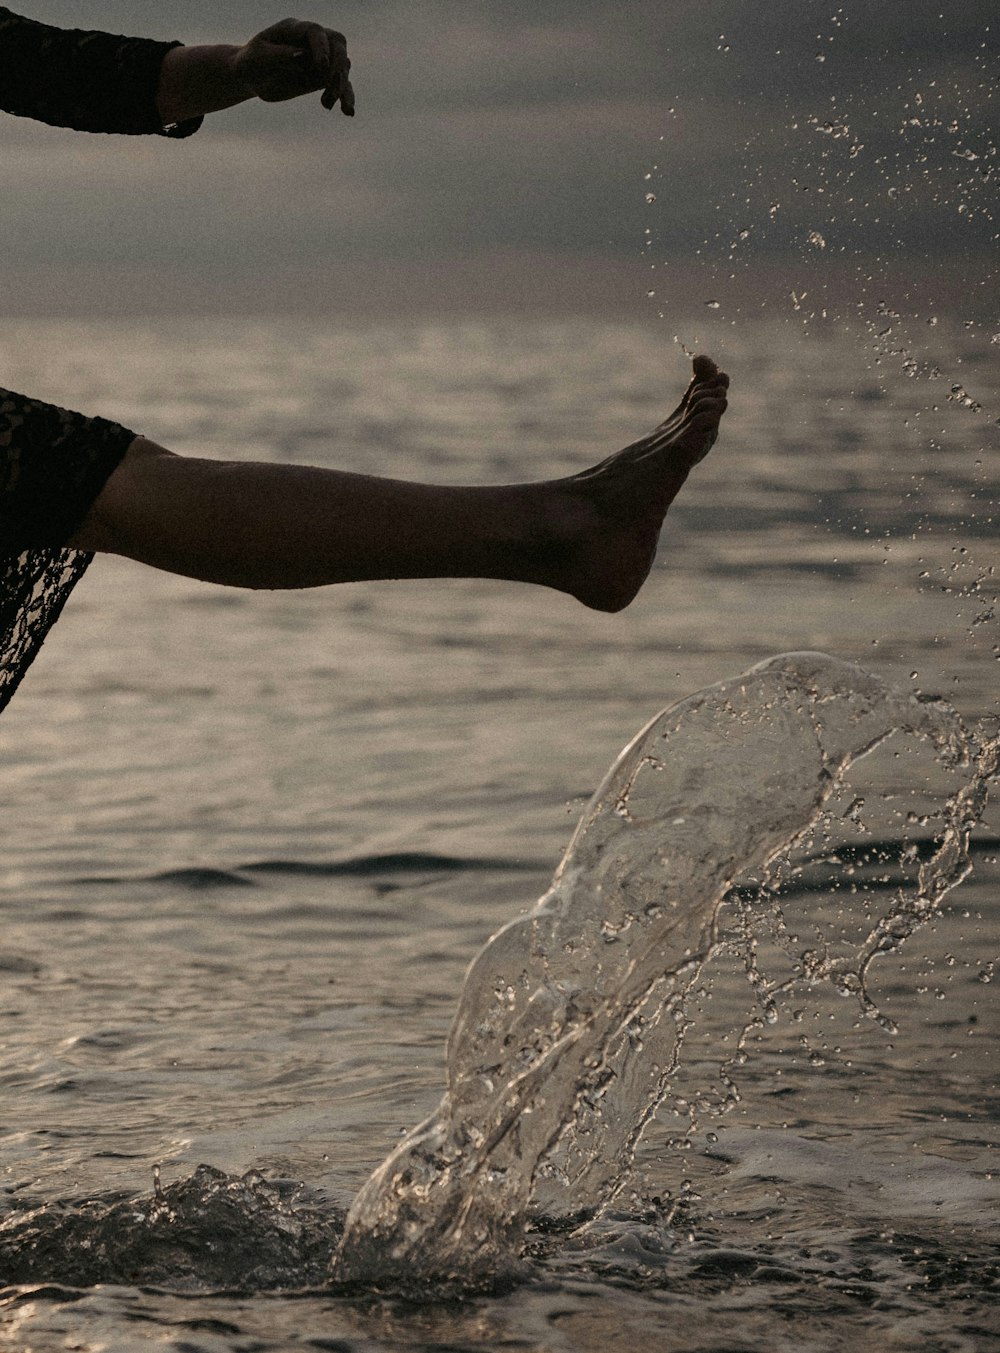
[571, 1019]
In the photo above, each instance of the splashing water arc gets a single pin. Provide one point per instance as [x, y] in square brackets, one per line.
[549, 1084]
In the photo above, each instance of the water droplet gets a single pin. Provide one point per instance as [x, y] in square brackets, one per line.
[816, 239]
[713, 305]
[650, 197]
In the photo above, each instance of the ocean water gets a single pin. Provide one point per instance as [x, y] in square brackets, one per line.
[254, 840]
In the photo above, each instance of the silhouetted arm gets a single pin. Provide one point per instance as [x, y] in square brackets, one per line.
[287, 60]
[100, 82]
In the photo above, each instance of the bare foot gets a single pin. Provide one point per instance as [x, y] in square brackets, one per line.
[615, 510]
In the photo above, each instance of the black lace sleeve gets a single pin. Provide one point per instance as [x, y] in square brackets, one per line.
[53, 464]
[92, 82]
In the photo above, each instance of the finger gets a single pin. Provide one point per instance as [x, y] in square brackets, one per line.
[347, 99]
[339, 87]
[319, 50]
[340, 90]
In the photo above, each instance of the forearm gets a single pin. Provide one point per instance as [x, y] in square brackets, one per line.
[198, 80]
[288, 59]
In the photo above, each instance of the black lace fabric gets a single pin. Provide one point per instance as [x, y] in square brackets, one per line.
[35, 587]
[53, 465]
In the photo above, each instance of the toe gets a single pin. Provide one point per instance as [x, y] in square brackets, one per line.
[681, 409]
[707, 416]
[704, 368]
[711, 401]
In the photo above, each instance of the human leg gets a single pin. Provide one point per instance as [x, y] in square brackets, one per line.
[592, 535]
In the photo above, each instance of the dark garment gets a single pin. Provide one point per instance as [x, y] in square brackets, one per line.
[53, 462]
[91, 82]
[53, 465]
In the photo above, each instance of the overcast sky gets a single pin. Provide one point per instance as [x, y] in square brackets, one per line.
[500, 155]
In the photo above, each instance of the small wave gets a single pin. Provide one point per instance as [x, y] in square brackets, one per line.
[213, 1233]
[19, 965]
[855, 1268]
[398, 862]
[198, 878]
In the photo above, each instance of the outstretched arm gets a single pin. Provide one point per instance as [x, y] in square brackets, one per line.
[284, 61]
[100, 82]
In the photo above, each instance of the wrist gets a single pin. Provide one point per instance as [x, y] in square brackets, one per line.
[199, 80]
[237, 62]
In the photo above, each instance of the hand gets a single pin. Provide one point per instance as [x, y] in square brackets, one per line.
[295, 57]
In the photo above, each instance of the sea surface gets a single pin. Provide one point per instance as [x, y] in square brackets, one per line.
[252, 841]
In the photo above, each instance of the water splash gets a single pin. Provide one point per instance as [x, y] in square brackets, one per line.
[208, 1232]
[872, 182]
[572, 1017]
